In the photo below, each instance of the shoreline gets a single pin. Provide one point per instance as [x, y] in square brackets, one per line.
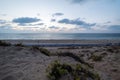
[57, 43]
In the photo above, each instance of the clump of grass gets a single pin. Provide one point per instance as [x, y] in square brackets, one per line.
[57, 70]
[35, 47]
[104, 54]
[2, 43]
[45, 51]
[82, 73]
[19, 44]
[77, 58]
[81, 55]
[110, 50]
[42, 50]
[96, 57]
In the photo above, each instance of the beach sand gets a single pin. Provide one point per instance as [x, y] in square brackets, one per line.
[28, 63]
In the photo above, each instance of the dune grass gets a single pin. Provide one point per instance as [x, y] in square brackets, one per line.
[3, 43]
[56, 71]
[75, 57]
[42, 50]
[19, 44]
[96, 57]
[45, 51]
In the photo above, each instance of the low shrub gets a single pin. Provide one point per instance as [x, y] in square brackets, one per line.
[110, 50]
[35, 48]
[42, 50]
[57, 70]
[45, 51]
[96, 57]
[2, 43]
[77, 58]
[19, 44]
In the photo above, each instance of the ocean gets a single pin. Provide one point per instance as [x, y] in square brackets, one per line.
[50, 36]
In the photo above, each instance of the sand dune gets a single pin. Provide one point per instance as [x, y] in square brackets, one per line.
[28, 63]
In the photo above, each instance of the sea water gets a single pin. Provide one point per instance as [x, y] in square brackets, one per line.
[50, 36]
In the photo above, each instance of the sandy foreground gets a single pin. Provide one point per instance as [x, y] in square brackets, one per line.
[27, 63]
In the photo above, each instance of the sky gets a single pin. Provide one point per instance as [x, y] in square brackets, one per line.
[59, 16]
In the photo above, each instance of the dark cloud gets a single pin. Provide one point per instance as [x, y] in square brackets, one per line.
[3, 14]
[66, 21]
[108, 22]
[107, 28]
[57, 14]
[53, 20]
[115, 28]
[24, 20]
[38, 14]
[2, 21]
[78, 1]
[53, 27]
[6, 27]
[111, 28]
[76, 22]
[28, 24]
[23, 24]
[82, 1]
[31, 27]
[40, 24]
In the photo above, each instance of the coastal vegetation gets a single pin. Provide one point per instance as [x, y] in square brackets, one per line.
[3, 43]
[77, 72]
[45, 51]
[74, 56]
[42, 50]
[67, 63]
[96, 57]
[19, 44]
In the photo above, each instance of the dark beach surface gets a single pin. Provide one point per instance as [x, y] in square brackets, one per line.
[62, 43]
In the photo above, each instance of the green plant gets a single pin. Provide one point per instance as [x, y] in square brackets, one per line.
[35, 48]
[19, 44]
[77, 58]
[2, 43]
[45, 51]
[110, 50]
[57, 70]
[96, 57]
[84, 73]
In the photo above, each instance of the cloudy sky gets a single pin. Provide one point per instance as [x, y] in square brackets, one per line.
[68, 16]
